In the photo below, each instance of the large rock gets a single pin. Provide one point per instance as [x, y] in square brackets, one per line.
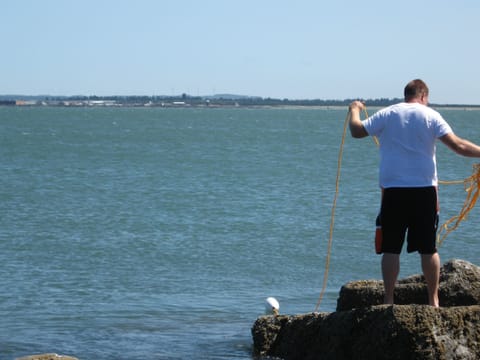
[379, 332]
[360, 329]
[459, 286]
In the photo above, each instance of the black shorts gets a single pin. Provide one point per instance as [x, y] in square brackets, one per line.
[411, 211]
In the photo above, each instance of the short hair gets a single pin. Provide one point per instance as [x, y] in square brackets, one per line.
[415, 89]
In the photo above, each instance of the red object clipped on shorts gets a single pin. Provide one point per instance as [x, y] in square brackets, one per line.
[378, 235]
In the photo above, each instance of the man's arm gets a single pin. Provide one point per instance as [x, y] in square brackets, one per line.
[461, 146]
[355, 124]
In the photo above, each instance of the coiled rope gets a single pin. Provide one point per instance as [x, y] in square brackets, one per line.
[471, 184]
[472, 187]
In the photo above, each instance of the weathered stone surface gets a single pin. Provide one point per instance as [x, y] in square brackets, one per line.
[379, 332]
[47, 357]
[361, 329]
[459, 286]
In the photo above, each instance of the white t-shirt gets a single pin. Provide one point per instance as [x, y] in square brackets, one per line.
[407, 133]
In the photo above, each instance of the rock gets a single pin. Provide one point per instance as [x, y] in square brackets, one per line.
[362, 329]
[47, 357]
[379, 332]
[459, 286]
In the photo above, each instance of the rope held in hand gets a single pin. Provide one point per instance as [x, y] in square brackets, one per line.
[334, 206]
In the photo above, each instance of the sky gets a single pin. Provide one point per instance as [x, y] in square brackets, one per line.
[303, 49]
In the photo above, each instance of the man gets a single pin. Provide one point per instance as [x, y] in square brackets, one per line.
[408, 177]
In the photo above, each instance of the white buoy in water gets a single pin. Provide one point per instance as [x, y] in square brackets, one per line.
[272, 306]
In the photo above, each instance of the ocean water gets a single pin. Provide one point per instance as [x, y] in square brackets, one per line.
[132, 233]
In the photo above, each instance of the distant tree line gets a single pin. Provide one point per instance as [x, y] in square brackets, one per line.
[215, 100]
[225, 100]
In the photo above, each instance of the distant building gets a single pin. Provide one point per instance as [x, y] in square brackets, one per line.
[25, 102]
[101, 102]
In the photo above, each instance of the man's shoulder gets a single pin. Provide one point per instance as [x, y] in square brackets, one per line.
[412, 106]
[394, 107]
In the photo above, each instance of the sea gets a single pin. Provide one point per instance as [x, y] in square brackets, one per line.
[158, 233]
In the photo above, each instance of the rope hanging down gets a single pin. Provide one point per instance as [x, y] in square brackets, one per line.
[472, 187]
[334, 206]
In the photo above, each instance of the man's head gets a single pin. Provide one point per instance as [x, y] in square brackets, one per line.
[416, 91]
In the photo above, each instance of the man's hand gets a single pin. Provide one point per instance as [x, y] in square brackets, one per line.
[356, 105]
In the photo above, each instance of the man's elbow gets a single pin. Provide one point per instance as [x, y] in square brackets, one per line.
[358, 132]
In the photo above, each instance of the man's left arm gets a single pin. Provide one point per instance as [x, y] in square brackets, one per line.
[357, 130]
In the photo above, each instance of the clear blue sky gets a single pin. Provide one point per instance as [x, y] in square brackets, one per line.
[270, 48]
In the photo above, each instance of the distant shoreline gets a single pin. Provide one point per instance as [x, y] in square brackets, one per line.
[216, 101]
[224, 106]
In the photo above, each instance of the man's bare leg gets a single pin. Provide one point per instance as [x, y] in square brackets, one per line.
[390, 270]
[431, 271]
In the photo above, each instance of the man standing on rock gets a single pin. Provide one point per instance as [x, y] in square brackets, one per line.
[407, 132]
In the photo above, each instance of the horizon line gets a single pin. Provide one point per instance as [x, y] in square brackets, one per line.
[222, 96]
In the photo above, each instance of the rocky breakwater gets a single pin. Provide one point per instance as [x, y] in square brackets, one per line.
[362, 328]
[49, 356]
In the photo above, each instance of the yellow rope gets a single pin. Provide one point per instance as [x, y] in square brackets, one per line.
[472, 187]
[334, 205]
